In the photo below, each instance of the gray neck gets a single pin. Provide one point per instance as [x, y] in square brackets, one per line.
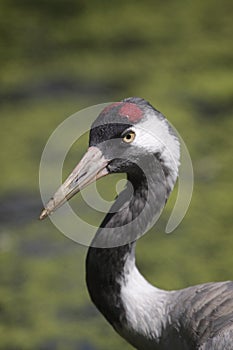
[108, 268]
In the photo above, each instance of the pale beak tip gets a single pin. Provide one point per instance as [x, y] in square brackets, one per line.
[44, 214]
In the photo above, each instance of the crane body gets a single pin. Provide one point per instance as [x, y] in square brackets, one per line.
[132, 137]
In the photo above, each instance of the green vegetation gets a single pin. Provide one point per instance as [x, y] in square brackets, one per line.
[59, 56]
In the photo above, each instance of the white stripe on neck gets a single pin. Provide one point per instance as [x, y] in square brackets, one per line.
[146, 308]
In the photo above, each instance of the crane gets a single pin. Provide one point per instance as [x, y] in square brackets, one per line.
[132, 137]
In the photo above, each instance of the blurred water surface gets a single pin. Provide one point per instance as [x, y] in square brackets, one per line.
[57, 57]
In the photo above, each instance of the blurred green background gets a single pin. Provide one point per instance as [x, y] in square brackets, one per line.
[58, 56]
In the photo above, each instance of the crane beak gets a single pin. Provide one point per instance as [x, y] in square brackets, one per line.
[92, 166]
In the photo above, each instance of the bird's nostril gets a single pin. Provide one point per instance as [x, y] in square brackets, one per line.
[80, 177]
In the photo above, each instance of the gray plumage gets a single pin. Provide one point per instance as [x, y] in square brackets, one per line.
[195, 318]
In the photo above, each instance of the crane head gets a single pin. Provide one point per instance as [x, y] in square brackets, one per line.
[124, 134]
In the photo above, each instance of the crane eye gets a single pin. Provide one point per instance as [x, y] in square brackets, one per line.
[129, 137]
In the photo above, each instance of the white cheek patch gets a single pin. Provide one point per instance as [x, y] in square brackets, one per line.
[154, 135]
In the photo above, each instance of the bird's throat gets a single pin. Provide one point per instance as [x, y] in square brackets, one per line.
[113, 248]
